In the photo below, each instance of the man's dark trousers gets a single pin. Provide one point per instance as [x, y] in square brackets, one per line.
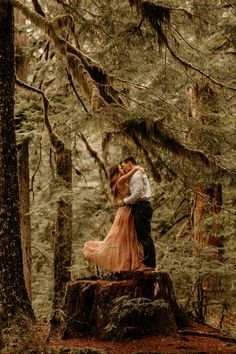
[142, 211]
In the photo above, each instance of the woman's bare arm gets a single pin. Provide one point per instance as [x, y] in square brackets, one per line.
[128, 175]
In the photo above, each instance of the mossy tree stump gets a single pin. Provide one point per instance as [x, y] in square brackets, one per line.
[125, 305]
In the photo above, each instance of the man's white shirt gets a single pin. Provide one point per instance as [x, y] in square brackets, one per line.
[139, 188]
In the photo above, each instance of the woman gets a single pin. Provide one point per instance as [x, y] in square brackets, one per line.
[120, 250]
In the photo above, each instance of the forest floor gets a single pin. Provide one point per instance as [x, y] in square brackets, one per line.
[197, 339]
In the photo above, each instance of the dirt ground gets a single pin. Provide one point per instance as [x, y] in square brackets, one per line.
[199, 339]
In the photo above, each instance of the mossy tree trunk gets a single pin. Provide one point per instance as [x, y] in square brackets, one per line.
[208, 199]
[63, 228]
[13, 293]
[63, 233]
[23, 161]
[128, 305]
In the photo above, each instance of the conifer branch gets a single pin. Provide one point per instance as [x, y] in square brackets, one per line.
[38, 8]
[159, 20]
[132, 99]
[191, 66]
[191, 14]
[106, 139]
[182, 37]
[90, 76]
[140, 146]
[56, 142]
[144, 87]
[93, 154]
[157, 134]
[76, 9]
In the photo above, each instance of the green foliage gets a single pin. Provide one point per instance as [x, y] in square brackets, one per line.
[152, 121]
[139, 316]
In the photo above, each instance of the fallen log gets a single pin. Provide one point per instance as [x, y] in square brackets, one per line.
[207, 334]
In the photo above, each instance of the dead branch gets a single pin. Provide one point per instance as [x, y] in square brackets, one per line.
[207, 334]
[56, 142]
[229, 3]
[75, 91]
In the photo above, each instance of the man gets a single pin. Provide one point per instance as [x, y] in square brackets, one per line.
[140, 198]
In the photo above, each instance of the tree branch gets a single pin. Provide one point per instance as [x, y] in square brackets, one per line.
[87, 73]
[157, 134]
[56, 142]
[158, 23]
[75, 91]
[93, 154]
[191, 66]
[206, 334]
[38, 8]
[229, 3]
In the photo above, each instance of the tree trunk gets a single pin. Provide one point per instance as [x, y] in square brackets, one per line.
[202, 208]
[208, 199]
[23, 161]
[20, 38]
[127, 305]
[62, 234]
[13, 293]
[23, 164]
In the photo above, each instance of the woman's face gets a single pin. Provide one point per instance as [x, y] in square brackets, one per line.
[121, 171]
[126, 166]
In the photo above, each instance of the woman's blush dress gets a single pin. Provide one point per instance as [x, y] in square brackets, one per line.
[120, 250]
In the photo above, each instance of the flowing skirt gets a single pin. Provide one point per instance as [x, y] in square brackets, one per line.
[120, 250]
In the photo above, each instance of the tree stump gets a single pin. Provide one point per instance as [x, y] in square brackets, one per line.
[124, 305]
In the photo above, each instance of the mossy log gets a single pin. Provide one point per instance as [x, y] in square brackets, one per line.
[124, 305]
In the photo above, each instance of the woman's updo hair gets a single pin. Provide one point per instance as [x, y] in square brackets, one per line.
[113, 174]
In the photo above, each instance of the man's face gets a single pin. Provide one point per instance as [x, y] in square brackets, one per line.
[126, 166]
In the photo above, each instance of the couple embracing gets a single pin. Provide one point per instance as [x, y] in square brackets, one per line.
[128, 245]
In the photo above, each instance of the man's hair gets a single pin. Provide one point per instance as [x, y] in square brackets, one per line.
[130, 159]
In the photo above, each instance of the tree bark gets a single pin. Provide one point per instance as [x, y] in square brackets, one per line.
[208, 199]
[20, 57]
[13, 293]
[127, 305]
[23, 161]
[62, 234]
[24, 184]
[202, 208]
